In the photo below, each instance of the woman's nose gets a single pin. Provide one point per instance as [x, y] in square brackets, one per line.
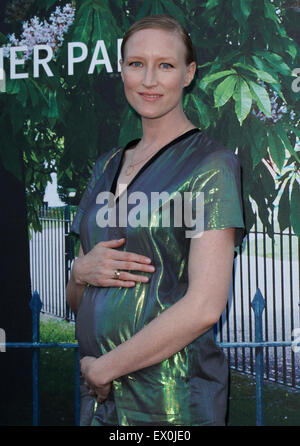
[150, 77]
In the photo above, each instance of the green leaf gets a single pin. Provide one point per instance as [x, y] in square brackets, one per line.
[296, 132]
[22, 96]
[53, 110]
[281, 132]
[246, 6]
[237, 13]
[259, 145]
[266, 77]
[33, 156]
[33, 94]
[173, 9]
[97, 31]
[275, 61]
[259, 62]
[245, 67]
[277, 149]
[291, 47]
[250, 216]
[260, 74]
[277, 88]
[156, 7]
[100, 6]
[243, 100]
[3, 38]
[202, 110]
[49, 3]
[129, 126]
[270, 11]
[261, 97]
[84, 5]
[83, 28]
[18, 114]
[144, 10]
[267, 182]
[210, 4]
[284, 208]
[213, 77]
[225, 90]
[38, 88]
[241, 10]
[295, 208]
[69, 173]
[12, 86]
[206, 64]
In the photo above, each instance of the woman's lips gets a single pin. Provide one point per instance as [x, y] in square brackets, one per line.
[150, 97]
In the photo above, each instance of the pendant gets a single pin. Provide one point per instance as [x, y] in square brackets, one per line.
[129, 170]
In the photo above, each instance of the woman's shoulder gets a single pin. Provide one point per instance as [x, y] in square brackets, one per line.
[105, 158]
[215, 154]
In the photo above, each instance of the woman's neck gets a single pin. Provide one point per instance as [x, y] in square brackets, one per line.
[157, 132]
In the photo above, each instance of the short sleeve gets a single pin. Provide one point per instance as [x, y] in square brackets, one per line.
[219, 177]
[84, 201]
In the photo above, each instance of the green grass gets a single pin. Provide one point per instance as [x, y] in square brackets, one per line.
[57, 374]
[57, 391]
[56, 330]
[281, 403]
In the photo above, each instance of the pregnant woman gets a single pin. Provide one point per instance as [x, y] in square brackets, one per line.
[147, 296]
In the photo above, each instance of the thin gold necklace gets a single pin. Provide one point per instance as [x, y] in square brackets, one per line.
[129, 169]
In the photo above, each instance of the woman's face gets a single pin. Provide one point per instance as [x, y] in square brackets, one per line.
[154, 72]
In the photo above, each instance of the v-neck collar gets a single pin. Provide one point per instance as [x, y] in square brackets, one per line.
[150, 161]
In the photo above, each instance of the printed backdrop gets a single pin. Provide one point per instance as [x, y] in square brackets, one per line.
[62, 104]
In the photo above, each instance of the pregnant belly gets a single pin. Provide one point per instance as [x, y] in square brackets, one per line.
[109, 316]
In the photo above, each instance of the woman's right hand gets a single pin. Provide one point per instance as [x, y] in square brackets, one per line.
[97, 267]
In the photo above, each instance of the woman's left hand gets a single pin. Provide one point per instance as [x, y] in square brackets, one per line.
[100, 391]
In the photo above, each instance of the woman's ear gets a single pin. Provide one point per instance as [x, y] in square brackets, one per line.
[189, 76]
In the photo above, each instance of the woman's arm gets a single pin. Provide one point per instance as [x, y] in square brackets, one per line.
[74, 290]
[210, 268]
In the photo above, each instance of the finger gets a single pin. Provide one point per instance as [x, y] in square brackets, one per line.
[112, 243]
[118, 283]
[126, 256]
[131, 266]
[124, 275]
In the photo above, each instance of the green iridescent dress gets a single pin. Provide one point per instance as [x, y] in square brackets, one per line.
[190, 387]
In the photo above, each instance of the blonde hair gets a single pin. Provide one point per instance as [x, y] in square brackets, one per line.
[166, 22]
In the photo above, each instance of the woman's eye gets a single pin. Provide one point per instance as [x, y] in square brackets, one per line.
[166, 65]
[135, 64]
